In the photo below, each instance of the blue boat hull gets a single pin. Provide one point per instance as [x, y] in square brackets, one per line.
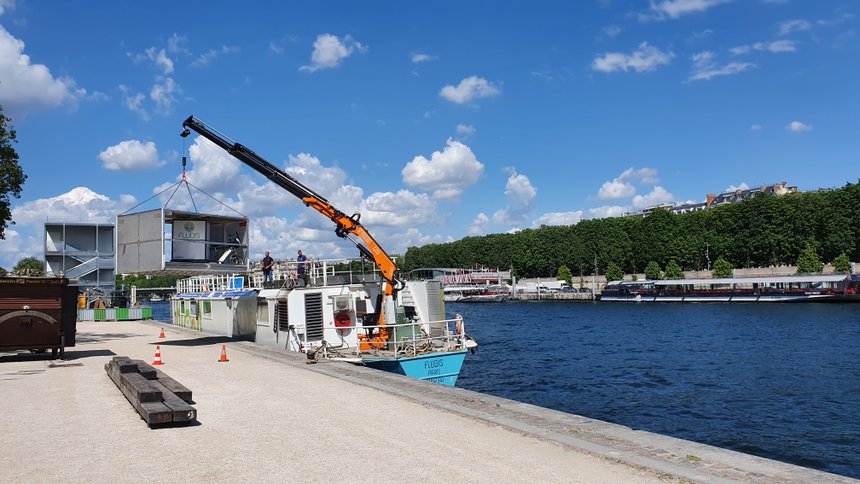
[441, 368]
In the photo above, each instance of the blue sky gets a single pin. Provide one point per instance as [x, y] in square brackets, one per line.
[435, 120]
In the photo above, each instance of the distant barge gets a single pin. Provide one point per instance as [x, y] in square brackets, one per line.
[798, 288]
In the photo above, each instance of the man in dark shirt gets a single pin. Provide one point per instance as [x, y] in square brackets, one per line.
[268, 263]
[300, 265]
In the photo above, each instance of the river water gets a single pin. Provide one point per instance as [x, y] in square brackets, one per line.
[780, 381]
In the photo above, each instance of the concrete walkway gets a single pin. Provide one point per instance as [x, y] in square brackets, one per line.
[266, 416]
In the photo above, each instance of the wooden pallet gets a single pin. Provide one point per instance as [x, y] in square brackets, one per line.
[159, 399]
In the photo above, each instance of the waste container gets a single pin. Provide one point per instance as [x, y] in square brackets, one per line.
[37, 313]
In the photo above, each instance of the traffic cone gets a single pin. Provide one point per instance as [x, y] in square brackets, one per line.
[157, 357]
[223, 358]
[162, 334]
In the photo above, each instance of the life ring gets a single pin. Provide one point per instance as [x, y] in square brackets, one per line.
[460, 329]
[342, 320]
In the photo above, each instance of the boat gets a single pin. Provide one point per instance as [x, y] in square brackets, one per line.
[325, 309]
[796, 288]
[330, 315]
[155, 298]
[477, 293]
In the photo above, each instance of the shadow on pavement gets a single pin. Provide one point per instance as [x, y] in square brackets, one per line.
[77, 355]
[87, 337]
[24, 355]
[204, 341]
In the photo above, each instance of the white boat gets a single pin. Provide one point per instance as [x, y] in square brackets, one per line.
[477, 293]
[155, 298]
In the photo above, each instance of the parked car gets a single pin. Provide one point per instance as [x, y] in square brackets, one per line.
[567, 289]
[584, 290]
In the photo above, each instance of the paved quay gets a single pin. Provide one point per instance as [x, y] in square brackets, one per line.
[267, 416]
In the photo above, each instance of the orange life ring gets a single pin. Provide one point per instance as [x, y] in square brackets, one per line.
[342, 320]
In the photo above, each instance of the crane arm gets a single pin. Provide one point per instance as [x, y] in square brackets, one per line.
[346, 225]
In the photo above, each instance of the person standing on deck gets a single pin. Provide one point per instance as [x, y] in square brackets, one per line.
[300, 266]
[267, 265]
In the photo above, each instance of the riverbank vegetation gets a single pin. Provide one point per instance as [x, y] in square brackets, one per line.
[763, 231]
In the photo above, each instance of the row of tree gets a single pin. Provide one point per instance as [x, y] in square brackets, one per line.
[766, 230]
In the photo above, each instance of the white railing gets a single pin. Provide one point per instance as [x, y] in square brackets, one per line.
[418, 341]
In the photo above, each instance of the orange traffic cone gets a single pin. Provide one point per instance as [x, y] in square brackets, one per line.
[223, 358]
[162, 334]
[157, 357]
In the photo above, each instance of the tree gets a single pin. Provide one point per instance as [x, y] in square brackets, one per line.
[808, 261]
[613, 272]
[29, 266]
[564, 274]
[674, 271]
[11, 174]
[2, 272]
[841, 263]
[634, 277]
[723, 268]
[652, 271]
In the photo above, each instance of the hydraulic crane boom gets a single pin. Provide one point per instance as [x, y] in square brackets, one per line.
[346, 225]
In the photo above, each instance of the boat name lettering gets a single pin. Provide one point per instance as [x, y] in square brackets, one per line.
[434, 364]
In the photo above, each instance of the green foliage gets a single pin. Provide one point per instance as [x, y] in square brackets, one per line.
[673, 270]
[3, 272]
[143, 281]
[29, 266]
[723, 268]
[842, 263]
[808, 261]
[652, 271]
[12, 177]
[634, 277]
[564, 274]
[613, 272]
[763, 231]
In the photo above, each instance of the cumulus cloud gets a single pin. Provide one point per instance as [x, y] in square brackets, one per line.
[658, 196]
[705, 67]
[790, 26]
[607, 211]
[30, 87]
[472, 87]
[403, 208]
[131, 155]
[622, 185]
[213, 54]
[158, 57]
[479, 224]
[520, 194]
[6, 4]
[419, 58]
[330, 51]
[645, 59]
[775, 47]
[162, 94]
[798, 127]
[80, 204]
[446, 173]
[133, 101]
[675, 9]
[329, 181]
[558, 218]
[465, 130]
[732, 188]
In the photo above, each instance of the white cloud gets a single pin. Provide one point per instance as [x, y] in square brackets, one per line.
[774, 47]
[520, 194]
[644, 176]
[470, 88]
[611, 31]
[705, 67]
[798, 127]
[790, 26]
[756, 128]
[732, 188]
[607, 211]
[658, 196]
[611, 190]
[30, 87]
[131, 155]
[645, 59]
[163, 95]
[403, 209]
[213, 54]
[418, 58]
[447, 172]
[176, 44]
[157, 56]
[329, 51]
[330, 182]
[465, 129]
[677, 8]
[558, 218]
[479, 224]
[6, 4]
[80, 204]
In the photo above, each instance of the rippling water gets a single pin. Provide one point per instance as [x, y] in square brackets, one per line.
[779, 381]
